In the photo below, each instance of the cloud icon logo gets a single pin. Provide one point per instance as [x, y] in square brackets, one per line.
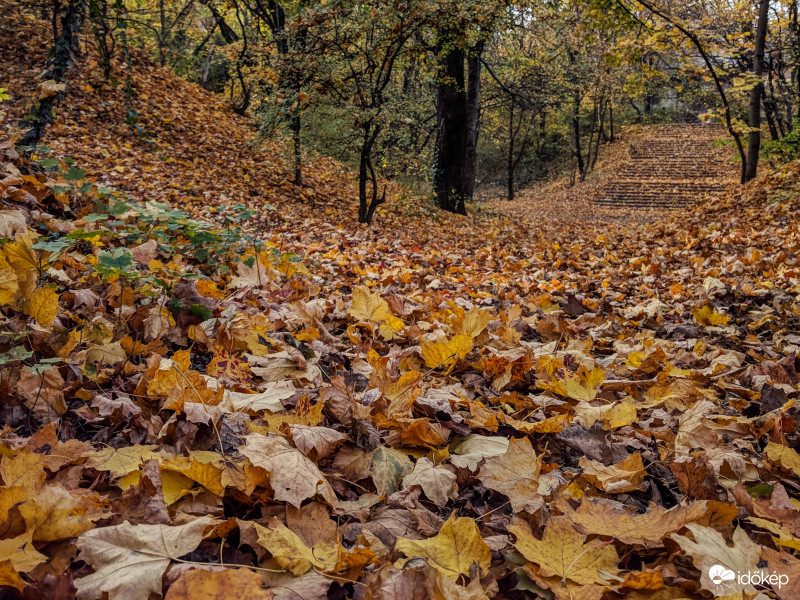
[719, 574]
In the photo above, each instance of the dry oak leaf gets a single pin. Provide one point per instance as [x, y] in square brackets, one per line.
[293, 477]
[709, 548]
[42, 306]
[369, 306]
[129, 560]
[563, 553]
[445, 353]
[516, 475]
[438, 483]
[784, 457]
[624, 476]
[453, 551]
[601, 516]
[230, 584]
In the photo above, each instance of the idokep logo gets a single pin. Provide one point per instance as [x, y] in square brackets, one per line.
[719, 574]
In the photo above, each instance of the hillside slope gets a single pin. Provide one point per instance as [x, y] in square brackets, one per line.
[192, 149]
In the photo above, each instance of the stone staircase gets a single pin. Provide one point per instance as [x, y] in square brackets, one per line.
[670, 166]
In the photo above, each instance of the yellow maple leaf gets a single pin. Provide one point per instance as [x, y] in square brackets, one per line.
[453, 550]
[292, 554]
[447, 353]
[783, 456]
[8, 286]
[42, 306]
[563, 553]
[582, 384]
[367, 306]
[708, 317]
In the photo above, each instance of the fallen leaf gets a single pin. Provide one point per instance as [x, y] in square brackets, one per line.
[42, 306]
[129, 560]
[453, 551]
[564, 553]
[438, 483]
[293, 477]
[230, 584]
[516, 475]
[709, 548]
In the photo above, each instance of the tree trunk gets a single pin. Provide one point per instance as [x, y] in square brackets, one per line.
[754, 136]
[451, 106]
[297, 152]
[611, 121]
[162, 36]
[576, 131]
[228, 34]
[59, 64]
[510, 157]
[366, 173]
[473, 118]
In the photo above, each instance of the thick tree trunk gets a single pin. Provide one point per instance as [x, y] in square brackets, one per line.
[754, 136]
[473, 118]
[451, 105]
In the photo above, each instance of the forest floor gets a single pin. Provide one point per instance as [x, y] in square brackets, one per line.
[433, 407]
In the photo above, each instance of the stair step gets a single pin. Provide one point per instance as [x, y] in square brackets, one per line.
[670, 166]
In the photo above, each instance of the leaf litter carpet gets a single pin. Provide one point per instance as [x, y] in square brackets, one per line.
[462, 408]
